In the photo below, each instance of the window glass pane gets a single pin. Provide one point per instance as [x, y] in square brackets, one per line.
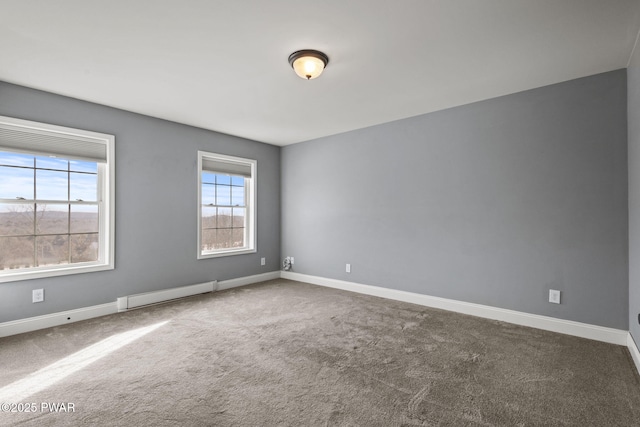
[208, 178]
[52, 218]
[16, 159]
[224, 239]
[16, 219]
[238, 217]
[51, 185]
[80, 166]
[52, 163]
[223, 179]
[223, 195]
[208, 194]
[16, 252]
[48, 200]
[208, 241]
[224, 217]
[237, 238]
[52, 250]
[84, 219]
[237, 196]
[208, 217]
[225, 230]
[84, 247]
[83, 186]
[15, 183]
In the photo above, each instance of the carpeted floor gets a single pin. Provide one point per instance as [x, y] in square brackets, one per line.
[283, 353]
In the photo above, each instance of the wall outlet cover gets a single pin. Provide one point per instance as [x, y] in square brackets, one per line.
[37, 295]
[554, 296]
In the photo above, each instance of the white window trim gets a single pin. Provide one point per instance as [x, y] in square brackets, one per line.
[106, 183]
[251, 211]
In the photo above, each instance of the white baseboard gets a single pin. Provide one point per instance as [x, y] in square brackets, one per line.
[584, 330]
[56, 319]
[633, 349]
[247, 280]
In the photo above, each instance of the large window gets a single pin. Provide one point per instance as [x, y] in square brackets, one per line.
[226, 205]
[56, 200]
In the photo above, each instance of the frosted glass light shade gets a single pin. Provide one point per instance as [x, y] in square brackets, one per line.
[308, 64]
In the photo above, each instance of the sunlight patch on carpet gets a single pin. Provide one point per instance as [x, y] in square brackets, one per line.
[61, 369]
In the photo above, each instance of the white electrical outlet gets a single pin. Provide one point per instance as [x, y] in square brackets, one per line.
[554, 296]
[37, 295]
[348, 268]
[263, 261]
[292, 260]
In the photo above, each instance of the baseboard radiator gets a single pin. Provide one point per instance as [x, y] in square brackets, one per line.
[155, 297]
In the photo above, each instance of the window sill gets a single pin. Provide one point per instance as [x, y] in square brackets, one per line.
[206, 255]
[16, 275]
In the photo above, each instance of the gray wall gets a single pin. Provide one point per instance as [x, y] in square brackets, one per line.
[494, 202]
[633, 94]
[156, 205]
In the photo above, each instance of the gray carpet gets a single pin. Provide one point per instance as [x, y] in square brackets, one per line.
[283, 353]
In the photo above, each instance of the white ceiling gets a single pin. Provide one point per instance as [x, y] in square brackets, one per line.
[222, 65]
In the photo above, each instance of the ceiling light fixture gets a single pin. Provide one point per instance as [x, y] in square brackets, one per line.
[308, 64]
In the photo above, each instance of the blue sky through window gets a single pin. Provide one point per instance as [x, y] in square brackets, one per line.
[223, 179]
[222, 190]
[15, 183]
[16, 159]
[56, 184]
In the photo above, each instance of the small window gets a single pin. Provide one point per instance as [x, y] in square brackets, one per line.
[226, 205]
[56, 200]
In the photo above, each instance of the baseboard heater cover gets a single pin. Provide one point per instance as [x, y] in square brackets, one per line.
[155, 297]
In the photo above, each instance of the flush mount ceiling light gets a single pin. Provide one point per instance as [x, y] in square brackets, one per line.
[308, 64]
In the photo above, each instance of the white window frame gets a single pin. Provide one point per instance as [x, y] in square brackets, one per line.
[250, 198]
[106, 201]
